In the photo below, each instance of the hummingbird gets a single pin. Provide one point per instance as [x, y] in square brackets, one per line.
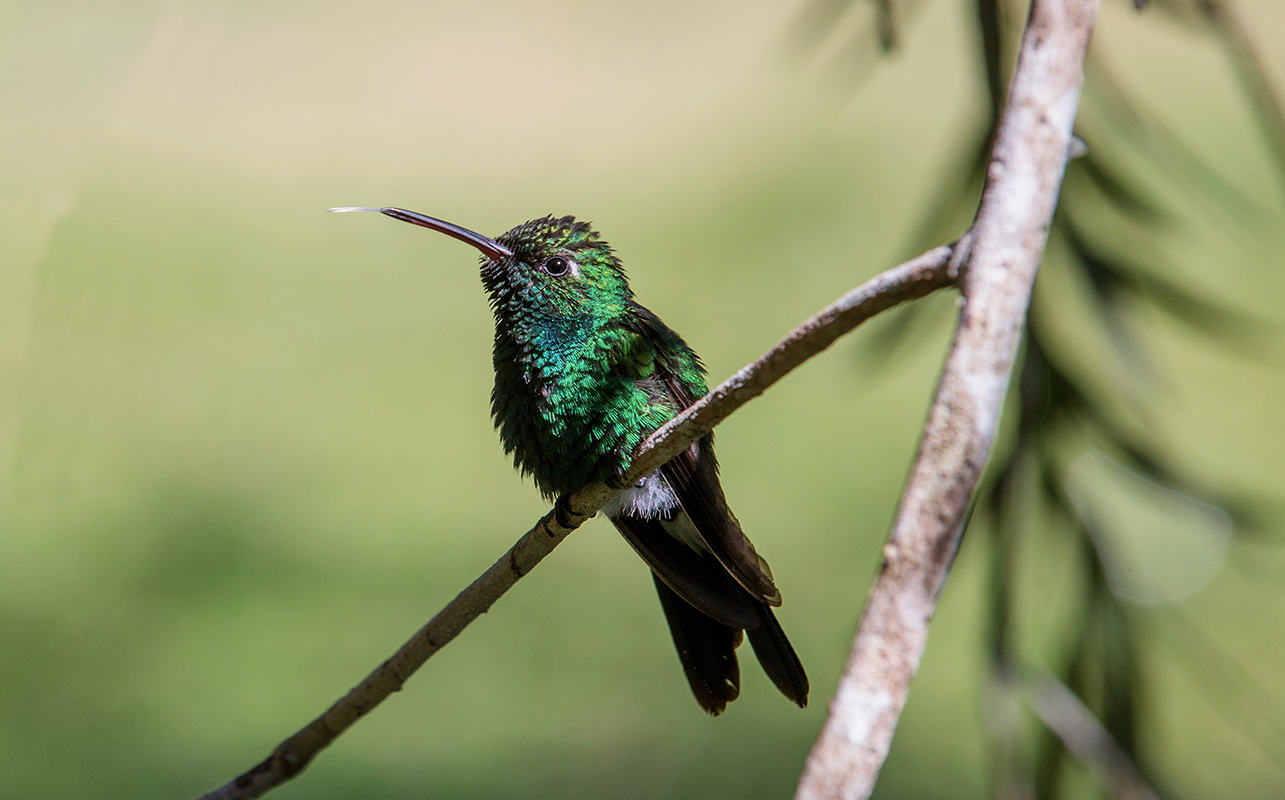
[583, 375]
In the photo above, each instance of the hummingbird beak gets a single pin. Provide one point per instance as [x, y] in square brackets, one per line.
[489, 247]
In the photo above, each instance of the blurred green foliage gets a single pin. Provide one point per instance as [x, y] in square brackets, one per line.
[244, 445]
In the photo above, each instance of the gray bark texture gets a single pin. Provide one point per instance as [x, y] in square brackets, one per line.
[1006, 243]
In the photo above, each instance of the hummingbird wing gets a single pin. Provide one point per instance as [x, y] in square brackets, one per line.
[696, 577]
[693, 474]
[778, 659]
[694, 479]
[727, 567]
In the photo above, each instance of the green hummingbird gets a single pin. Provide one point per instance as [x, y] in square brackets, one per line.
[583, 374]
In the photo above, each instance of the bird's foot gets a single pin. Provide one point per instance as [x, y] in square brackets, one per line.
[562, 513]
[616, 480]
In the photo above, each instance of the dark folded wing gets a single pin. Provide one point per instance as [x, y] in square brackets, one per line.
[778, 658]
[698, 578]
[693, 476]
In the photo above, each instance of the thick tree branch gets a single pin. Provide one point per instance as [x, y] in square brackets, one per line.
[933, 270]
[1008, 238]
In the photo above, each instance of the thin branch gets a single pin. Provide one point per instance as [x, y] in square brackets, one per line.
[1071, 721]
[1008, 239]
[936, 269]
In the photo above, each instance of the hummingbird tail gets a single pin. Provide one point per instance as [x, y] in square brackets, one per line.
[707, 609]
[778, 658]
[707, 649]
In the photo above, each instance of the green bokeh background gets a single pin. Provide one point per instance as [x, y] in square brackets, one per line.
[245, 448]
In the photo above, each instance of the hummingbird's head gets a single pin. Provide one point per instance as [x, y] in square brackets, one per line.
[558, 266]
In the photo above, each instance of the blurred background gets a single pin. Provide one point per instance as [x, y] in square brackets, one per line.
[245, 448]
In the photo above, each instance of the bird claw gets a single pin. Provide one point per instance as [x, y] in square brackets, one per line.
[562, 513]
[616, 480]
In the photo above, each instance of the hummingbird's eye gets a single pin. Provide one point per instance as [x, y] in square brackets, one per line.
[557, 266]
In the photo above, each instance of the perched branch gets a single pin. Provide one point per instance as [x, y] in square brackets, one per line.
[918, 277]
[1008, 238]
[1072, 722]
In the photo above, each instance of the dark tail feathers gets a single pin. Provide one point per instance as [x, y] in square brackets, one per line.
[707, 649]
[778, 658]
